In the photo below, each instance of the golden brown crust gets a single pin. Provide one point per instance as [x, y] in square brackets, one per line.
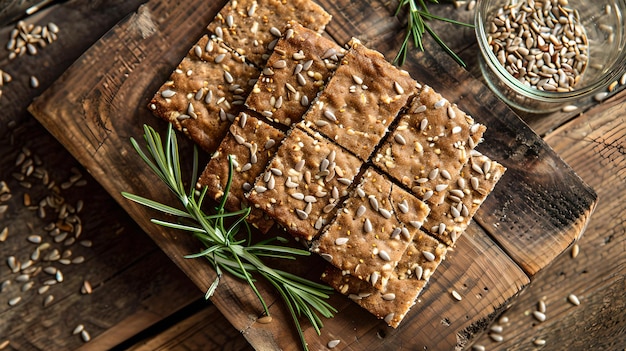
[250, 26]
[214, 83]
[372, 229]
[360, 101]
[247, 136]
[421, 259]
[449, 219]
[304, 182]
[429, 146]
[295, 73]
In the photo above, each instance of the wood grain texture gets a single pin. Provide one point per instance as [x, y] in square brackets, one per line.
[115, 264]
[121, 254]
[99, 103]
[594, 145]
[205, 330]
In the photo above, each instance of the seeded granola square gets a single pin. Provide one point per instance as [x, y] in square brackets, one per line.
[251, 27]
[360, 100]
[295, 73]
[449, 219]
[372, 230]
[205, 93]
[429, 145]
[304, 182]
[419, 262]
[250, 143]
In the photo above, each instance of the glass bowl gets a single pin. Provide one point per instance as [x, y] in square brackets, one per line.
[603, 24]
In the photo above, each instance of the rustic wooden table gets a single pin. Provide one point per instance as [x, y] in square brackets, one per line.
[140, 300]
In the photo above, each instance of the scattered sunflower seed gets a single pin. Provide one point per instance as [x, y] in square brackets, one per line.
[35, 239]
[14, 301]
[34, 82]
[496, 337]
[333, 343]
[541, 306]
[264, 319]
[85, 336]
[79, 328]
[575, 250]
[569, 108]
[497, 328]
[86, 288]
[541, 317]
[599, 97]
[573, 299]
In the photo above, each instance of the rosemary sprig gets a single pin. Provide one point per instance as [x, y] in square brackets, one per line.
[417, 25]
[224, 249]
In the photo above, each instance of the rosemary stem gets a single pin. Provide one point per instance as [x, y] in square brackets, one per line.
[224, 251]
[235, 250]
[293, 313]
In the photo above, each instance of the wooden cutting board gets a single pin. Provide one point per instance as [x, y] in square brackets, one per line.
[539, 208]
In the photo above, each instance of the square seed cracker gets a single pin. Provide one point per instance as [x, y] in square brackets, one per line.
[449, 219]
[205, 93]
[408, 280]
[360, 101]
[251, 27]
[429, 146]
[372, 230]
[251, 143]
[295, 73]
[304, 182]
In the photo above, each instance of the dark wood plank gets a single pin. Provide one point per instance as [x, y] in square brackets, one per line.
[207, 329]
[121, 254]
[593, 144]
[89, 18]
[115, 264]
[111, 103]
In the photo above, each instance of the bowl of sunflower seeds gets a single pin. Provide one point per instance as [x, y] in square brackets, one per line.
[541, 55]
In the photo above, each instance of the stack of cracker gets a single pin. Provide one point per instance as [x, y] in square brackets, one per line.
[349, 154]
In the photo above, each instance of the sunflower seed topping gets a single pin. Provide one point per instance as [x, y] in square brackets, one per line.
[168, 93]
[341, 241]
[367, 226]
[384, 255]
[385, 213]
[429, 256]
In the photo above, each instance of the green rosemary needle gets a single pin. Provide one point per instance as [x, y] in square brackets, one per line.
[224, 248]
[417, 25]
